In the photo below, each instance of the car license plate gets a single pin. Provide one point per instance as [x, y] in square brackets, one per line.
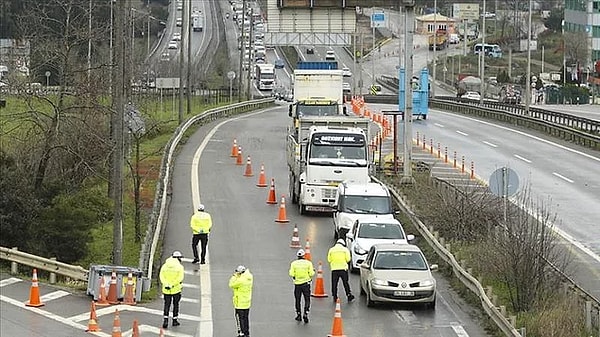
[404, 293]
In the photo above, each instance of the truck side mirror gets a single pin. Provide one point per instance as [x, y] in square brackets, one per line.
[290, 110]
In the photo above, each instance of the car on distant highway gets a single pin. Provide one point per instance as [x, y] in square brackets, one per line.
[330, 55]
[471, 95]
[279, 64]
[165, 56]
[176, 36]
[310, 50]
[172, 45]
[346, 72]
[488, 15]
[346, 87]
[397, 273]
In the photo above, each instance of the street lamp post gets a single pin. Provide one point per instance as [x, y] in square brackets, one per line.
[434, 47]
[482, 57]
[409, 27]
[528, 84]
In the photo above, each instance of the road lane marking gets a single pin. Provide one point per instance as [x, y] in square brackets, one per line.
[205, 325]
[54, 295]
[460, 331]
[155, 330]
[462, 133]
[523, 159]
[439, 125]
[9, 281]
[133, 308]
[187, 299]
[190, 285]
[562, 177]
[489, 144]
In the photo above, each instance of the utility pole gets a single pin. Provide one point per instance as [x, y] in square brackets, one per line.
[242, 51]
[89, 55]
[189, 58]
[409, 27]
[117, 132]
[434, 47]
[184, 37]
[482, 57]
[528, 87]
[250, 56]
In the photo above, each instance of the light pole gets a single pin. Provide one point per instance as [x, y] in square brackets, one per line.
[434, 47]
[409, 27]
[564, 55]
[482, 57]
[528, 86]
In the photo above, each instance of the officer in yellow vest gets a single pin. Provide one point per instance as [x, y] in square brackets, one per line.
[171, 277]
[201, 223]
[338, 257]
[302, 271]
[241, 283]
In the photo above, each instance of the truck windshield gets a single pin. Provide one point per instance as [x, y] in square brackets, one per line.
[338, 146]
[317, 110]
[365, 204]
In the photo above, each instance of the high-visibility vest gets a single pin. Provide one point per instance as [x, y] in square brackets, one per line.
[241, 284]
[171, 276]
[201, 223]
[302, 271]
[338, 257]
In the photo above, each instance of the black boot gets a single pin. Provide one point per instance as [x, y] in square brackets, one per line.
[350, 298]
[165, 323]
[176, 322]
[306, 317]
[298, 317]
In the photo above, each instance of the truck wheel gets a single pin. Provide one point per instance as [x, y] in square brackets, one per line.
[292, 184]
[301, 208]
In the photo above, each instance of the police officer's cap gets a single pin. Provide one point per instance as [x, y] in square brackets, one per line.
[341, 242]
[177, 254]
[300, 253]
[201, 207]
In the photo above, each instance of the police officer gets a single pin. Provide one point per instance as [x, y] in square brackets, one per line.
[201, 223]
[338, 257]
[302, 271]
[241, 283]
[171, 278]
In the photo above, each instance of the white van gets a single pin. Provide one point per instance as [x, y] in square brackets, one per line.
[356, 201]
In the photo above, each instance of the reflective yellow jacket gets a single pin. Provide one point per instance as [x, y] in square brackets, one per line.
[171, 276]
[201, 223]
[302, 271]
[241, 284]
[338, 257]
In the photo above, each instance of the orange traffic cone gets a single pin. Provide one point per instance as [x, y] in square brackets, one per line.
[238, 160]
[129, 297]
[101, 301]
[271, 197]
[34, 292]
[112, 289]
[337, 330]
[319, 285]
[307, 255]
[234, 149]
[93, 322]
[295, 238]
[248, 172]
[282, 217]
[116, 330]
[135, 329]
[262, 180]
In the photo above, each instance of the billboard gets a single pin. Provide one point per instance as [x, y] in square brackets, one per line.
[465, 11]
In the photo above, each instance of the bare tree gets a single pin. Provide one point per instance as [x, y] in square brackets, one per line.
[576, 47]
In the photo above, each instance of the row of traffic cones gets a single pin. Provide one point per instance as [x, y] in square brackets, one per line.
[116, 328]
[111, 298]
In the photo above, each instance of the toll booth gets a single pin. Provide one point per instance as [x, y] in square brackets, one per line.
[420, 90]
[140, 282]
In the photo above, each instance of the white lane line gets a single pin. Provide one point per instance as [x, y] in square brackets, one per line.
[562, 177]
[9, 281]
[205, 325]
[523, 159]
[462, 133]
[439, 125]
[53, 295]
[489, 144]
[187, 299]
[52, 316]
[123, 307]
[156, 331]
[460, 331]
[190, 285]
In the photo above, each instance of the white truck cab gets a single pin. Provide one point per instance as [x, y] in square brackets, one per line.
[357, 201]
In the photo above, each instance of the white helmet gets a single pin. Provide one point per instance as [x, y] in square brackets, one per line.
[300, 253]
[177, 254]
[240, 269]
[201, 207]
[341, 242]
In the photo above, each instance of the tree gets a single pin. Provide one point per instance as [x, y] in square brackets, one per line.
[503, 77]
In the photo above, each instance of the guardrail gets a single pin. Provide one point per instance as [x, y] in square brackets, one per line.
[51, 265]
[163, 187]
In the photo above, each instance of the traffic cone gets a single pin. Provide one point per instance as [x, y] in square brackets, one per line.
[271, 197]
[248, 172]
[319, 285]
[34, 292]
[337, 329]
[101, 301]
[234, 149]
[129, 297]
[116, 330]
[295, 238]
[282, 217]
[135, 329]
[93, 322]
[112, 289]
[307, 255]
[262, 180]
[238, 160]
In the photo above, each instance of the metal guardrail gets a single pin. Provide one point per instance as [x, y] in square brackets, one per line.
[163, 186]
[53, 266]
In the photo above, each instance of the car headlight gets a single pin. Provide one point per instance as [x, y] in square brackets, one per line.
[359, 250]
[427, 283]
[379, 282]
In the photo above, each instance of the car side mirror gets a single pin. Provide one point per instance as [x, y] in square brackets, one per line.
[433, 267]
[410, 237]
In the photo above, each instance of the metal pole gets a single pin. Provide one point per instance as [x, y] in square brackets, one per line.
[110, 48]
[242, 52]
[434, 47]
[543, 50]
[189, 58]
[373, 59]
[250, 60]
[231, 90]
[407, 177]
[482, 57]
[89, 55]
[465, 38]
[564, 56]
[528, 86]
[148, 32]
[184, 21]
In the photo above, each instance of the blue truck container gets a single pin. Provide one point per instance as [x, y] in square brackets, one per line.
[312, 65]
[420, 93]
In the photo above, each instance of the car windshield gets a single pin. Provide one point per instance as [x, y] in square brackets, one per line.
[405, 260]
[366, 204]
[380, 231]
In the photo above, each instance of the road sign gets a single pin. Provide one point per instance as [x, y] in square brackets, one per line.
[504, 182]
[377, 20]
[231, 75]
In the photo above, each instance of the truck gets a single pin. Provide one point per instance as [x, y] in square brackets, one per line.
[197, 22]
[322, 153]
[439, 40]
[265, 76]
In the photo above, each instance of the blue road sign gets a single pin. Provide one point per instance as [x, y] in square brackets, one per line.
[377, 17]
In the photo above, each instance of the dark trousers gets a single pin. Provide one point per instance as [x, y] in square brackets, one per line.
[302, 290]
[336, 275]
[243, 324]
[203, 239]
[168, 299]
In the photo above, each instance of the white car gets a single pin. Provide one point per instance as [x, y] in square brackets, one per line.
[346, 72]
[176, 36]
[330, 55]
[471, 95]
[172, 45]
[369, 231]
[397, 273]
[178, 22]
[346, 87]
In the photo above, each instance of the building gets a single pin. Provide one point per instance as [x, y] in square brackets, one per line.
[426, 24]
[584, 16]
